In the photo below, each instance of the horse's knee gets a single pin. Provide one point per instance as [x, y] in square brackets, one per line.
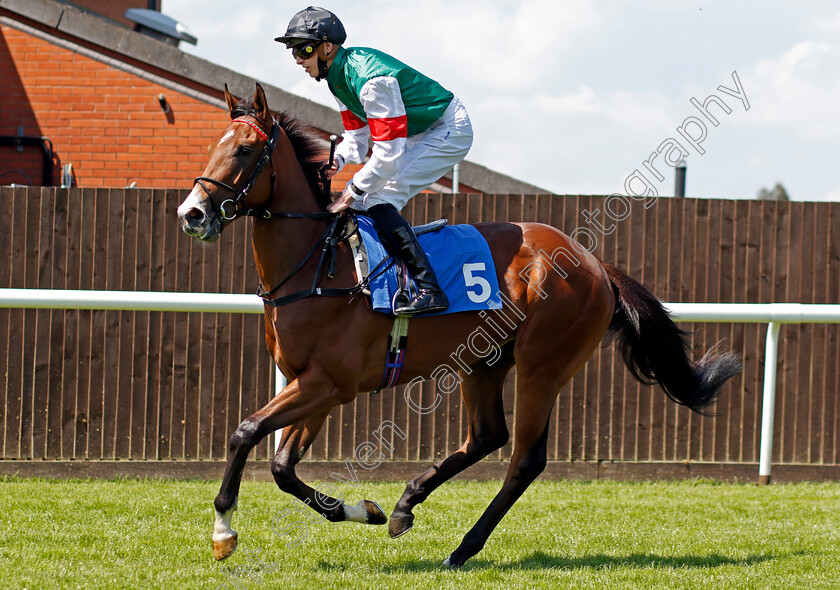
[245, 436]
[488, 440]
[283, 472]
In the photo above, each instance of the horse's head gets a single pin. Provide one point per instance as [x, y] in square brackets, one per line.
[239, 176]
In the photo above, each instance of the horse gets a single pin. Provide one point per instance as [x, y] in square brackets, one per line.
[562, 302]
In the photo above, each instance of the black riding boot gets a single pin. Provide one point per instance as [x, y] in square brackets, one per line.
[400, 240]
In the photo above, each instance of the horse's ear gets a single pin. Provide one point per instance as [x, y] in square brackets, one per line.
[261, 104]
[231, 100]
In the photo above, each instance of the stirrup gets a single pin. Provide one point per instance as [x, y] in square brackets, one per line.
[401, 298]
[442, 304]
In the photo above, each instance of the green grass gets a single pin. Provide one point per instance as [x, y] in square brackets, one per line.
[156, 534]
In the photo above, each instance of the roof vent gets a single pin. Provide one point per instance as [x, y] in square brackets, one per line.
[161, 27]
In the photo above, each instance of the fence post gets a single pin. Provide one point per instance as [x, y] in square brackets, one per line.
[768, 407]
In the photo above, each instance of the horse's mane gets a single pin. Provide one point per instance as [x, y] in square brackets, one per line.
[307, 148]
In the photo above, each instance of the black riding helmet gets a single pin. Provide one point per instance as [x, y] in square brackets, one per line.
[313, 24]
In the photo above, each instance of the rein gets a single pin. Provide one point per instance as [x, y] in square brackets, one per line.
[330, 239]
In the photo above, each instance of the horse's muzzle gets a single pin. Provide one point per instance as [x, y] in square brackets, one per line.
[197, 221]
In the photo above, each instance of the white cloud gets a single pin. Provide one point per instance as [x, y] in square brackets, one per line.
[489, 46]
[832, 195]
[827, 24]
[574, 95]
[575, 142]
[798, 91]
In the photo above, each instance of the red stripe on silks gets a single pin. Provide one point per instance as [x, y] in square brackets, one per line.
[351, 121]
[389, 128]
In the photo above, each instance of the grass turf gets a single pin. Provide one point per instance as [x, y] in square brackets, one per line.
[156, 534]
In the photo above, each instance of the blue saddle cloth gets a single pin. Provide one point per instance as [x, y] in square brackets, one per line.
[459, 256]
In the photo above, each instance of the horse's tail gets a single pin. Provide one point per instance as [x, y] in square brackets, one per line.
[655, 349]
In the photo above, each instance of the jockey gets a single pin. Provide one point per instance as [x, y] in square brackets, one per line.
[419, 130]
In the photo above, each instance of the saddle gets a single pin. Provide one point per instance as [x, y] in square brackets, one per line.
[360, 251]
[459, 254]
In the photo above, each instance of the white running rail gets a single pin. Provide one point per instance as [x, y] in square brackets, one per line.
[772, 314]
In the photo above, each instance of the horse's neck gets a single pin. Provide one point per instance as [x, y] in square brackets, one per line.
[280, 244]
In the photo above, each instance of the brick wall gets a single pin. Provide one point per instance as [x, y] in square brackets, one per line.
[114, 9]
[106, 122]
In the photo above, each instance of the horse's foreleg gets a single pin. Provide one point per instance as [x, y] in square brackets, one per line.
[312, 393]
[487, 432]
[224, 537]
[295, 441]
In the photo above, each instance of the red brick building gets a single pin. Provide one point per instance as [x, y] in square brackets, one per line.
[80, 88]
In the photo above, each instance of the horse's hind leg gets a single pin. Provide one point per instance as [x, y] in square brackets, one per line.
[295, 441]
[487, 432]
[528, 461]
[542, 372]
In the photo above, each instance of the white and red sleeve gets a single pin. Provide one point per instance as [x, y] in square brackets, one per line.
[388, 127]
[355, 139]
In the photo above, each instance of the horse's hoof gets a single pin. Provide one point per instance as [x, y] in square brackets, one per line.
[224, 548]
[400, 524]
[366, 511]
[451, 563]
[375, 514]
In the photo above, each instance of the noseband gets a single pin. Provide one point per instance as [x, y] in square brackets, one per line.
[230, 208]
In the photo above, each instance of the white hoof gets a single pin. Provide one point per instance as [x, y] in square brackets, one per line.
[224, 537]
[366, 511]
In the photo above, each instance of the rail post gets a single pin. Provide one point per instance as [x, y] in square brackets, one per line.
[768, 406]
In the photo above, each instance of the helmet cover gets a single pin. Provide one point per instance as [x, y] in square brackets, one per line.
[313, 24]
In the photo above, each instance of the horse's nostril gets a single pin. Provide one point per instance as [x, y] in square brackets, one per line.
[195, 214]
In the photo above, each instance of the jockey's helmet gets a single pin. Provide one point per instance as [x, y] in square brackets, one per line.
[313, 24]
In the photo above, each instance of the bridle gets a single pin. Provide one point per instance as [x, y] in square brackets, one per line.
[230, 209]
[234, 208]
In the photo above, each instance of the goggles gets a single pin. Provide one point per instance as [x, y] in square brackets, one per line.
[305, 51]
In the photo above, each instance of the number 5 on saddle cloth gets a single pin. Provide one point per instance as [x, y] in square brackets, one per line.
[459, 255]
[462, 263]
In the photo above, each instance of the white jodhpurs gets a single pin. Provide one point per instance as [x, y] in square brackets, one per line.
[428, 156]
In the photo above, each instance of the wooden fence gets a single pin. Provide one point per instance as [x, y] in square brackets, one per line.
[78, 385]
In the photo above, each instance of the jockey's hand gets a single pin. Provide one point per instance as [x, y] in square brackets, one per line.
[331, 171]
[344, 201]
[337, 165]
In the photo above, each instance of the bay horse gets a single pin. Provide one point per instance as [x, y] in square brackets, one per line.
[563, 302]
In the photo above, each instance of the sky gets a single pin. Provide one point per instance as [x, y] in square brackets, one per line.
[593, 96]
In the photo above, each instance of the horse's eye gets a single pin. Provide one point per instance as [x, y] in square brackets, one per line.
[244, 150]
